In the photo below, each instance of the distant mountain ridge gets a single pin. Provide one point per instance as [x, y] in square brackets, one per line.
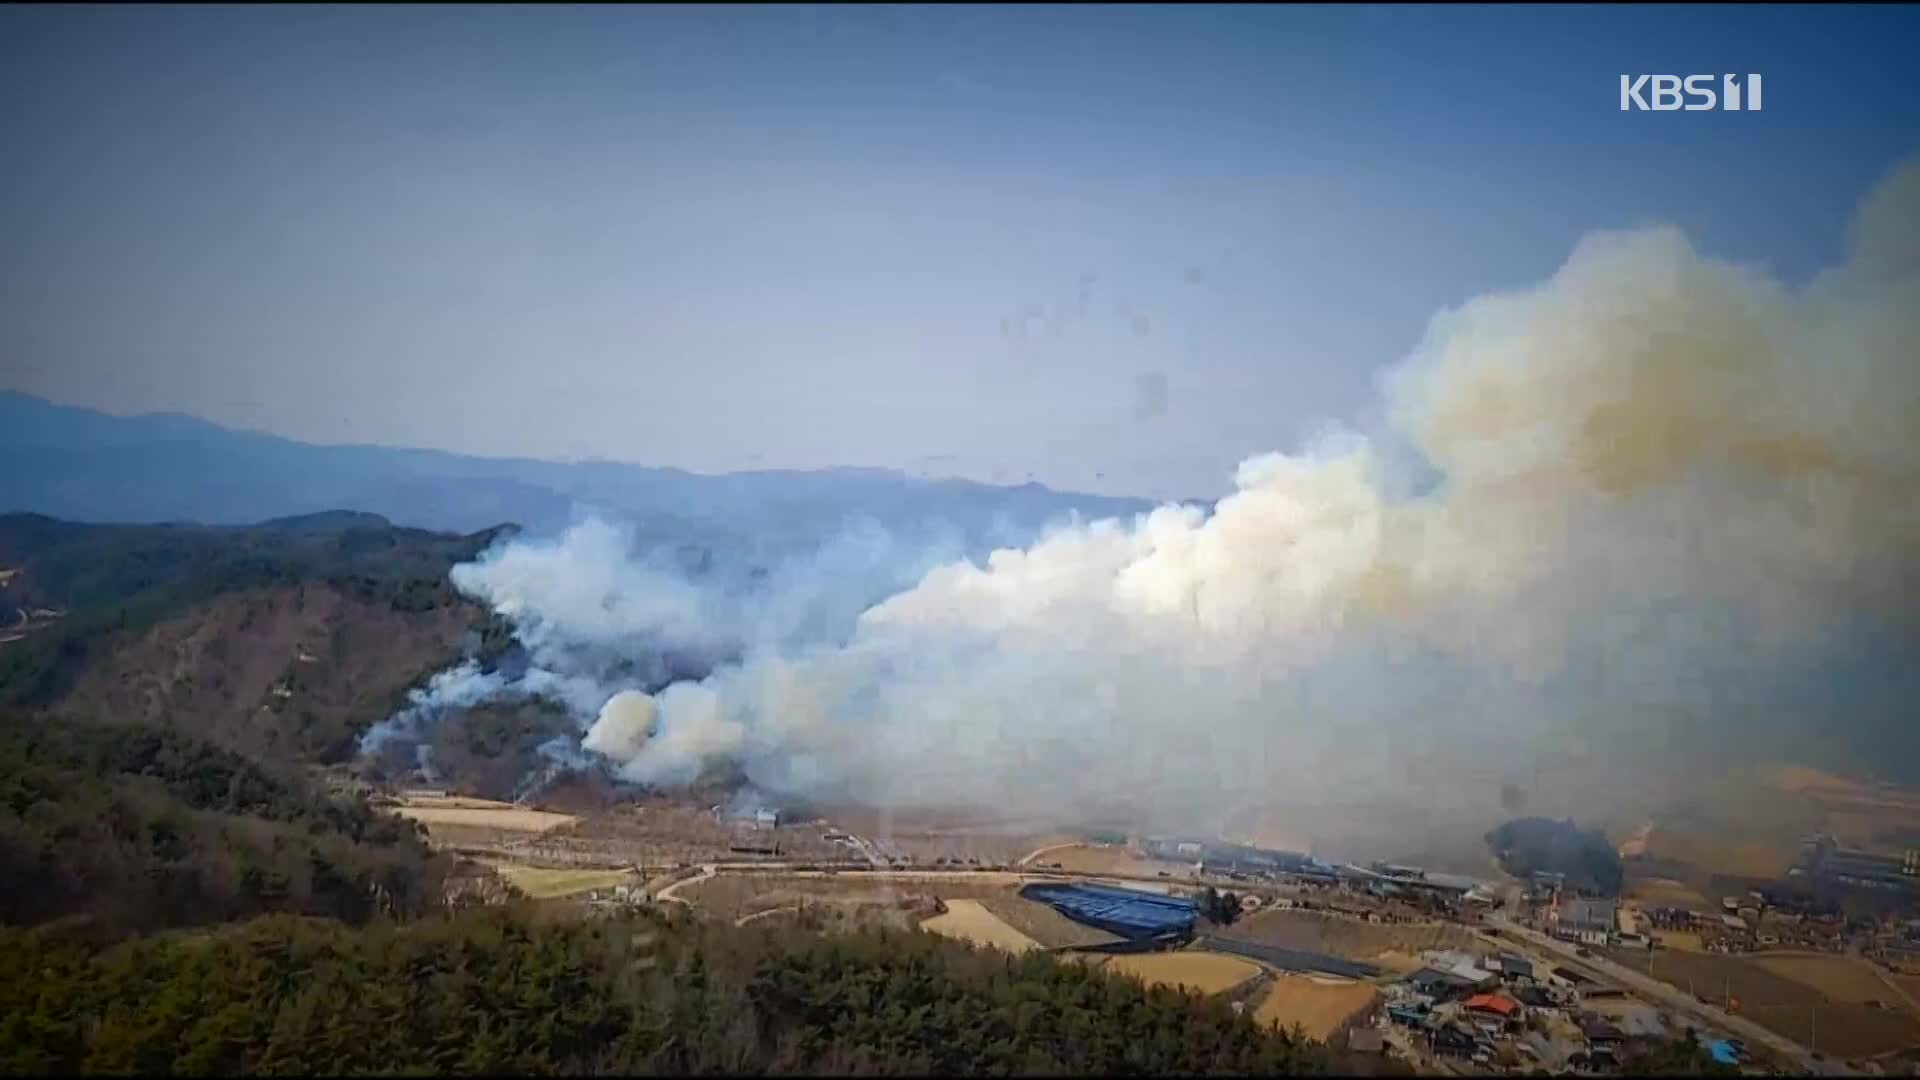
[83, 465]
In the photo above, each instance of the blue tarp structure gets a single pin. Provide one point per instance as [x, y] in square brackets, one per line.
[1723, 1052]
[1126, 912]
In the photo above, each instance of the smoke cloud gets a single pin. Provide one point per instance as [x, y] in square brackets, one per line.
[1611, 519]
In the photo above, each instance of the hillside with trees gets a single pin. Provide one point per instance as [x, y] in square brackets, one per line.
[170, 694]
[283, 641]
[129, 827]
[501, 991]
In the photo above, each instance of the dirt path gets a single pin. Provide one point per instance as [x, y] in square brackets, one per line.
[1032, 855]
[745, 919]
[669, 894]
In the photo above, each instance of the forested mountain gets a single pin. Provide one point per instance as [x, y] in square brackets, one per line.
[168, 694]
[283, 640]
[89, 466]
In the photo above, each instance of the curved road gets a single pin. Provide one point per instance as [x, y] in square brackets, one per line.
[667, 894]
[1676, 999]
[1027, 860]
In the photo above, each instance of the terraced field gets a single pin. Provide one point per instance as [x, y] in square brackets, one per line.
[1201, 972]
[544, 884]
[1841, 1028]
[1840, 978]
[1385, 944]
[451, 814]
[1319, 1006]
[969, 920]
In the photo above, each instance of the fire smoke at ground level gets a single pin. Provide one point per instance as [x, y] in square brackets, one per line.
[1674, 498]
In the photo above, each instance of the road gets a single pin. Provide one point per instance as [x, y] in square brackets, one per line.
[1027, 860]
[668, 894]
[872, 853]
[1674, 998]
[745, 919]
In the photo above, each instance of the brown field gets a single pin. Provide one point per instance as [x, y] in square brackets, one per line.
[1666, 892]
[1201, 972]
[1684, 940]
[544, 884]
[1840, 791]
[1801, 780]
[1844, 1029]
[734, 895]
[661, 832]
[453, 802]
[952, 835]
[1086, 859]
[1910, 984]
[1388, 944]
[1840, 978]
[1716, 855]
[1861, 813]
[507, 819]
[1318, 1006]
[1400, 963]
[1041, 922]
[969, 920]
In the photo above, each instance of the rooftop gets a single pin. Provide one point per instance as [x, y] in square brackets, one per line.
[1125, 911]
[1588, 914]
[1494, 1003]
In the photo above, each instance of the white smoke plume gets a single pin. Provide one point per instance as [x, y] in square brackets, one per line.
[596, 616]
[1654, 495]
[462, 686]
[621, 730]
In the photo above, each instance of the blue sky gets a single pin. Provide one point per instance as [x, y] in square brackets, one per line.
[972, 240]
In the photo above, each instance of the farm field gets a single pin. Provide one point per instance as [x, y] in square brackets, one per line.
[1319, 1006]
[1841, 978]
[1838, 791]
[544, 884]
[1202, 972]
[1684, 940]
[734, 895]
[1666, 892]
[1714, 855]
[1844, 1029]
[664, 832]
[1086, 859]
[456, 819]
[969, 920]
[954, 836]
[454, 802]
[1391, 945]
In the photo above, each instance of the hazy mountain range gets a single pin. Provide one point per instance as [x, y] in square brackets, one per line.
[83, 465]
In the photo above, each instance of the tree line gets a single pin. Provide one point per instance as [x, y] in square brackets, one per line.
[501, 990]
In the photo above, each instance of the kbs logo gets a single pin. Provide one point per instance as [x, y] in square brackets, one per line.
[1670, 93]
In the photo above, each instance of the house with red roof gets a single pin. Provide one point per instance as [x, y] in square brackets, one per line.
[1491, 1012]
